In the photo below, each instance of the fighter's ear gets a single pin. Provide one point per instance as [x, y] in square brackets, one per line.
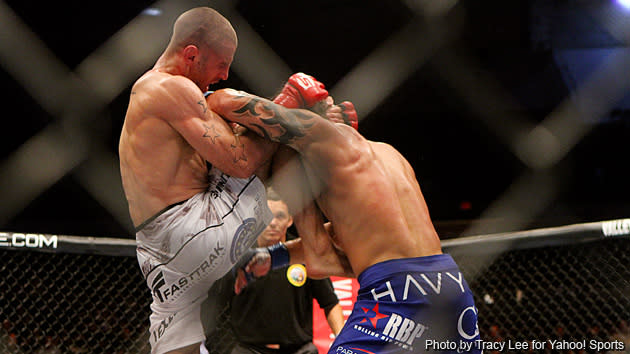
[190, 52]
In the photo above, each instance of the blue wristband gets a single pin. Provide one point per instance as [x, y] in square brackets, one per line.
[279, 255]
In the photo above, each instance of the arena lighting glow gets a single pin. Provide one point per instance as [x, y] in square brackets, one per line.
[624, 3]
[152, 11]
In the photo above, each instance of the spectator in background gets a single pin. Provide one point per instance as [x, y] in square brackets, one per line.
[9, 338]
[494, 335]
[274, 314]
[622, 334]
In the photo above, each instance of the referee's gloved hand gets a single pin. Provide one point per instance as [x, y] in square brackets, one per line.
[258, 263]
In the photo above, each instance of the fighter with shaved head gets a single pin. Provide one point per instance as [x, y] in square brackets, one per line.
[189, 179]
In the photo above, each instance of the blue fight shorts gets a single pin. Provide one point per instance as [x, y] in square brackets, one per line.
[411, 305]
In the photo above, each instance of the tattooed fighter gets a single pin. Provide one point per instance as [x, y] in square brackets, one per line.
[193, 219]
[411, 294]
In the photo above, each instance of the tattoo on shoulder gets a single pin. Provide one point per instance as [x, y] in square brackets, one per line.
[211, 132]
[293, 123]
[202, 103]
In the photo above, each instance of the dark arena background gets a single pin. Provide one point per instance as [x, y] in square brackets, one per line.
[515, 116]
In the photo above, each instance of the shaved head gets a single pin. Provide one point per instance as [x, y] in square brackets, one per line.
[204, 28]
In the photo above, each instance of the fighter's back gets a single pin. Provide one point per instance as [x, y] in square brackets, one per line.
[375, 204]
[379, 218]
[366, 189]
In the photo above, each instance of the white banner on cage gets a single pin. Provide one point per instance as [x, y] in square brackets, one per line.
[19, 240]
[616, 227]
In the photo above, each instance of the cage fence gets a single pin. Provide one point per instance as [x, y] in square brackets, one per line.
[78, 295]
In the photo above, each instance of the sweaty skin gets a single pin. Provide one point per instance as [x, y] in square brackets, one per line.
[168, 135]
[366, 189]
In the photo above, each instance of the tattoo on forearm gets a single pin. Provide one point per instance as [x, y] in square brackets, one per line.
[211, 132]
[293, 123]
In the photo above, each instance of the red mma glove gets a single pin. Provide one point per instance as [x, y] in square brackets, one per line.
[343, 113]
[301, 91]
[349, 114]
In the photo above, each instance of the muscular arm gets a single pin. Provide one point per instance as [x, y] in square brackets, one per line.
[185, 109]
[321, 257]
[314, 247]
[296, 128]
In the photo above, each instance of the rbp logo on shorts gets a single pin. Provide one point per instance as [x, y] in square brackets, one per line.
[399, 330]
[436, 289]
[403, 330]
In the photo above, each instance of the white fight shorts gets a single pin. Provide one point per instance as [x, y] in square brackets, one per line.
[184, 249]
